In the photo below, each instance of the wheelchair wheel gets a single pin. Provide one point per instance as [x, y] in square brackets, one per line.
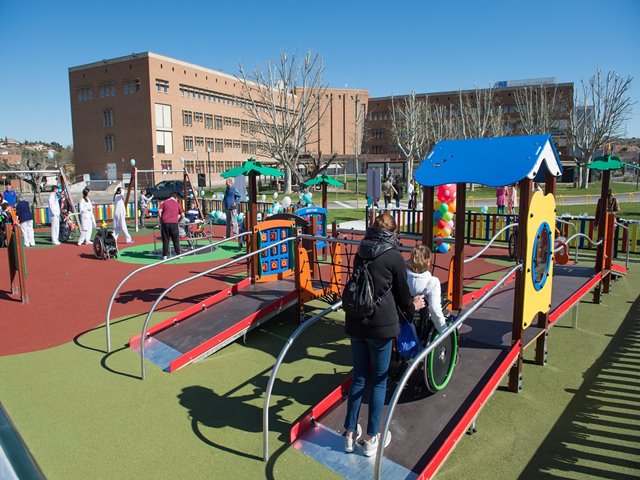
[439, 364]
[513, 239]
[65, 232]
[98, 247]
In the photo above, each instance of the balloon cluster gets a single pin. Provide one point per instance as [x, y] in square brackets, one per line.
[218, 217]
[445, 207]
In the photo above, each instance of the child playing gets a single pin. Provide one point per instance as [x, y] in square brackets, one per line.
[421, 282]
[143, 205]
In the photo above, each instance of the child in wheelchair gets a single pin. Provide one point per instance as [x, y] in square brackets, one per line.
[421, 282]
[417, 333]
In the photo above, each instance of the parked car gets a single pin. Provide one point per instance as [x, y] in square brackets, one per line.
[165, 188]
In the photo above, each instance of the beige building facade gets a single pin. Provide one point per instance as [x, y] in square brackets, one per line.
[160, 111]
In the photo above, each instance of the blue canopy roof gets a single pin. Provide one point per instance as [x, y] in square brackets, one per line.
[493, 161]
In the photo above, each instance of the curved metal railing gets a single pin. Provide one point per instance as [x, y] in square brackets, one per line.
[267, 399]
[626, 246]
[143, 333]
[420, 357]
[575, 228]
[152, 265]
[495, 237]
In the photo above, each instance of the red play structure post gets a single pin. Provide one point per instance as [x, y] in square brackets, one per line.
[605, 248]
[515, 374]
[252, 221]
[458, 258]
[427, 216]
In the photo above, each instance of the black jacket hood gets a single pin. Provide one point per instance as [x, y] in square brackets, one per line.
[376, 241]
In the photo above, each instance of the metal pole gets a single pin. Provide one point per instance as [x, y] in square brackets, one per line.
[209, 165]
[356, 155]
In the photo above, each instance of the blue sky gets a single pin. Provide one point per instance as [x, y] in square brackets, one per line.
[385, 47]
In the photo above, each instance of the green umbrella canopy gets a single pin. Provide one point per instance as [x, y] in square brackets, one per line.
[324, 179]
[252, 168]
[609, 162]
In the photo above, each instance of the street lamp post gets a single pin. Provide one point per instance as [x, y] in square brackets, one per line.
[209, 165]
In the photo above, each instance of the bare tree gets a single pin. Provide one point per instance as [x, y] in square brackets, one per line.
[477, 112]
[33, 160]
[598, 115]
[409, 128]
[537, 109]
[284, 104]
[444, 123]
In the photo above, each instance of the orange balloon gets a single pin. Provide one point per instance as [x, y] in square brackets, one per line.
[452, 207]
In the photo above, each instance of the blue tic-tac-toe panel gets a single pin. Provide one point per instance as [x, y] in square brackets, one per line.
[278, 258]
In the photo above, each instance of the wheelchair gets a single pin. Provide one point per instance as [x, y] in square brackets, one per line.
[105, 245]
[438, 366]
[67, 227]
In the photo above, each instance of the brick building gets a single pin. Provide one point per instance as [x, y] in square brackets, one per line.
[157, 110]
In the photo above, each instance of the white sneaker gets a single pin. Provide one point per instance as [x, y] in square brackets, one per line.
[371, 445]
[350, 441]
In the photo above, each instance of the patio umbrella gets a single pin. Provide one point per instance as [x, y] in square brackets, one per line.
[609, 162]
[324, 180]
[252, 168]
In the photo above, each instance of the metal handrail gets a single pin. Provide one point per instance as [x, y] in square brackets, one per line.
[155, 264]
[511, 225]
[276, 366]
[421, 356]
[625, 227]
[143, 333]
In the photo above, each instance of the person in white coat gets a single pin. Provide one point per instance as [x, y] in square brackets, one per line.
[421, 282]
[119, 216]
[54, 215]
[87, 219]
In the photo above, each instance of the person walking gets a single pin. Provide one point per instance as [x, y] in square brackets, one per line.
[612, 206]
[230, 204]
[87, 218]
[119, 216]
[143, 205]
[411, 192]
[512, 199]
[387, 191]
[397, 187]
[372, 337]
[25, 217]
[54, 215]
[170, 213]
[501, 199]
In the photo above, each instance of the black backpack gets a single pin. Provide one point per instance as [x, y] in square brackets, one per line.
[357, 296]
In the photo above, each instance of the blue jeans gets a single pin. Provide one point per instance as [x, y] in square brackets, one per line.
[371, 358]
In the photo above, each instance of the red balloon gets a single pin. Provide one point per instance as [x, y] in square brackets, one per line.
[441, 223]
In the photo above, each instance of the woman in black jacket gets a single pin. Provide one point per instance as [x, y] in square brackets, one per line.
[372, 337]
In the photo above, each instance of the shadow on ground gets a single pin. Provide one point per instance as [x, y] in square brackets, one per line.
[598, 436]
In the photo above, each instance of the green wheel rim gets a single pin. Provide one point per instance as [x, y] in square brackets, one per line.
[431, 382]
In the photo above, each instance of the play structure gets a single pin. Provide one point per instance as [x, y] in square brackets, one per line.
[496, 325]
[283, 273]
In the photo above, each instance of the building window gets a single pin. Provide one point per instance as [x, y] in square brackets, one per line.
[236, 144]
[377, 133]
[245, 127]
[219, 145]
[199, 141]
[209, 142]
[218, 122]
[236, 122]
[164, 142]
[129, 87]
[166, 165]
[200, 166]
[187, 118]
[377, 149]
[107, 118]
[208, 120]
[108, 89]
[227, 121]
[197, 117]
[188, 144]
[253, 147]
[85, 93]
[109, 143]
[189, 165]
[162, 86]
[245, 147]
[163, 116]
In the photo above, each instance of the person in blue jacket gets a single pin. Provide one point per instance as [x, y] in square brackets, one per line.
[25, 217]
[230, 203]
[9, 195]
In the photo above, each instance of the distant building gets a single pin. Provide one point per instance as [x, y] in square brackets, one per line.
[382, 152]
[157, 109]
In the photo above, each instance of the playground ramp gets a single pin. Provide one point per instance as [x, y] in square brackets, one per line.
[425, 426]
[208, 326]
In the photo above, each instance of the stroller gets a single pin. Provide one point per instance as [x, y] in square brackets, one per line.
[104, 244]
[438, 365]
